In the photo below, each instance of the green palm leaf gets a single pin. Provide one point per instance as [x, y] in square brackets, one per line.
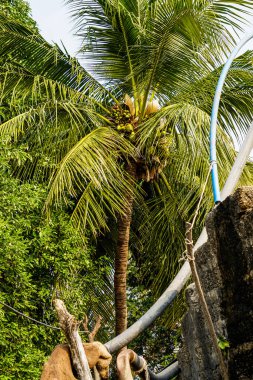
[169, 51]
[92, 171]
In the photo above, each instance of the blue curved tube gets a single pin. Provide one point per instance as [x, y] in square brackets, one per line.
[214, 115]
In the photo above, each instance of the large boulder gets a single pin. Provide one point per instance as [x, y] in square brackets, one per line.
[225, 267]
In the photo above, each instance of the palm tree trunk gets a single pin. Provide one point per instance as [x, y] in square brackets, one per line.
[121, 259]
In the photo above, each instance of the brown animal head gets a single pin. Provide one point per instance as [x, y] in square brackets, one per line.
[98, 356]
[59, 367]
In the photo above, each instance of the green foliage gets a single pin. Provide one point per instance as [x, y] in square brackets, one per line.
[39, 260]
[173, 54]
[20, 11]
[169, 51]
[223, 343]
[158, 344]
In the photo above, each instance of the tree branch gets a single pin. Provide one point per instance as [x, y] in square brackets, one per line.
[69, 326]
[92, 334]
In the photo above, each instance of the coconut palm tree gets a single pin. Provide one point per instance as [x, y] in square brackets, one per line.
[127, 130]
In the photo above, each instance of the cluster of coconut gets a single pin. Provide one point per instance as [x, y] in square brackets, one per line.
[125, 119]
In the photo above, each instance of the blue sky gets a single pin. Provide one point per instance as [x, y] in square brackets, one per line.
[55, 22]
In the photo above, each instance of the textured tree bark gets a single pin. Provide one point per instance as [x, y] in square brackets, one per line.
[70, 325]
[121, 259]
[202, 300]
[225, 267]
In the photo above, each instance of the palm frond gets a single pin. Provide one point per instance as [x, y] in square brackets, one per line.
[154, 43]
[17, 83]
[92, 173]
[169, 51]
[32, 53]
[49, 130]
[187, 113]
[174, 202]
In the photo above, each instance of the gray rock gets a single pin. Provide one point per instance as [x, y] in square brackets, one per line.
[225, 268]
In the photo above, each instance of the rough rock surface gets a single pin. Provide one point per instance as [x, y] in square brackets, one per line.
[225, 267]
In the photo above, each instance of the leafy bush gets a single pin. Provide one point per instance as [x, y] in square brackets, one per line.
[39, 260]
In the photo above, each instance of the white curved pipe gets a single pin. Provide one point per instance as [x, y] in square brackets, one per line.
[239, 164]
[184, 274]
[166, 374]
[214, 115]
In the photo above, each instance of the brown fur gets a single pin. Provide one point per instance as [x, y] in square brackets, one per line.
[58, 366]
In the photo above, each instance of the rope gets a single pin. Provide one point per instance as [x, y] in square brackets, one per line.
[26, 316]
[190, 226]
[199, 289]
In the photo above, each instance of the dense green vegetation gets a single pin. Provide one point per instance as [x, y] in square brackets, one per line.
[42, 259]
[39, 260]
[123, 147]
[18, 10]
